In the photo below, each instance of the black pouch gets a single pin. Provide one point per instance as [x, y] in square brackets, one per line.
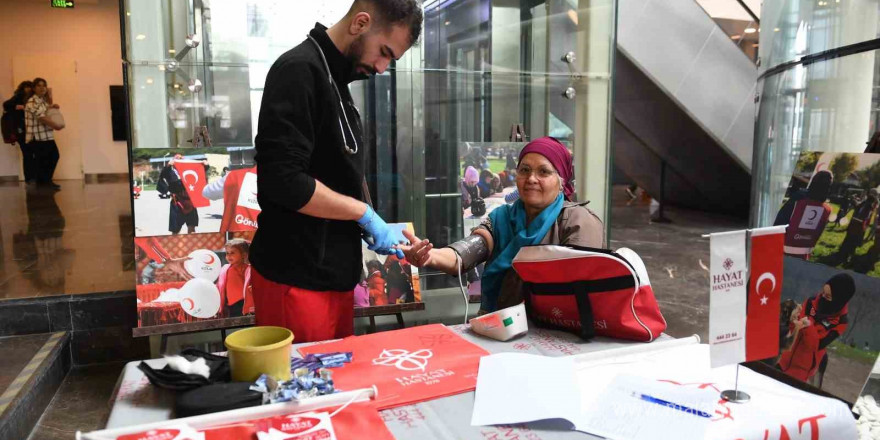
[175, 380]
[478, 207]
[215, 398]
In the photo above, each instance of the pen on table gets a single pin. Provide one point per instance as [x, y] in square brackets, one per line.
[652, 399]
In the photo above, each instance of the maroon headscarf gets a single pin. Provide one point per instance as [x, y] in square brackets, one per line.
[558, 155]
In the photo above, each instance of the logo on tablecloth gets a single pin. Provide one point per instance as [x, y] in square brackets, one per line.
[404, 360]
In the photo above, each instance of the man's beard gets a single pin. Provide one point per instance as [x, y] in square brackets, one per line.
[354, 56]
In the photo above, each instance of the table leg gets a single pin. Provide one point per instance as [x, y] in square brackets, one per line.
[163, 345]
[400, 320]
[372, 327]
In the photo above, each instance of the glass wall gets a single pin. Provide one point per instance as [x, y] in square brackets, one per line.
[828, 104]
[484, 73]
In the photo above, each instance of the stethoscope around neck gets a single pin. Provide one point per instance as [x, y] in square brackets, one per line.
[341, 104]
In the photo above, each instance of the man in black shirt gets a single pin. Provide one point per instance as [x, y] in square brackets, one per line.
[307, 250]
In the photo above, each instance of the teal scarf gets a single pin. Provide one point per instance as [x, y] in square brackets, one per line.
[510, 234]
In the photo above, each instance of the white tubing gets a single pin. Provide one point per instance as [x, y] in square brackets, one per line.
[594, 357]
[241, 415]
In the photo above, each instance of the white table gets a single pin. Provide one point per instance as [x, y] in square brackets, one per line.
[135, 401]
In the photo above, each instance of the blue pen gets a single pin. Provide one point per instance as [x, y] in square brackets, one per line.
[668, 404]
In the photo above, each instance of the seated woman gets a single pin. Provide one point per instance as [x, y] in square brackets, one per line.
[544, 214]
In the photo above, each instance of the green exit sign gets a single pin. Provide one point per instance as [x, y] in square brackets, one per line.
[61, 3]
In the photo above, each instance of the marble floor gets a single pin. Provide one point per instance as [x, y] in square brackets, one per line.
[81, 403]
[15, 353]
[676, 256]
[73, 241]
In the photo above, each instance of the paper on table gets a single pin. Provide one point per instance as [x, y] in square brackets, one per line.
[560, 388]
[506, 381]
[636, 408]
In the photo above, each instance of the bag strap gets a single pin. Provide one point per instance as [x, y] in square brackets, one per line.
[581, 291]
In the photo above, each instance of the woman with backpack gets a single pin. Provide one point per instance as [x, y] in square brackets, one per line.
[14, 129]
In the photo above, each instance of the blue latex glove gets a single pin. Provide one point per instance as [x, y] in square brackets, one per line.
[379, 236]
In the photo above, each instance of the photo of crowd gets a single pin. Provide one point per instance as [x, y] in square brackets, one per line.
[832, 209]
[488, 179]
[386, 279]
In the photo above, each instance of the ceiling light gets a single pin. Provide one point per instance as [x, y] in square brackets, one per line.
[735, 37]
[775, 29]
[172, 51]
[446, 24]
[149, 80]
[140, 37]
[750, 30]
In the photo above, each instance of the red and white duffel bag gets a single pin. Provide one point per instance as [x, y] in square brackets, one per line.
[589, 292]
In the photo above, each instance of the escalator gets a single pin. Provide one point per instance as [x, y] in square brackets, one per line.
[684, 101]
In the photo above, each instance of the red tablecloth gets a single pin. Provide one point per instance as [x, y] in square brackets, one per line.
[159, 313]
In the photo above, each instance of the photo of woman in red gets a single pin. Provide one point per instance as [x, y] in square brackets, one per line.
[814, 326]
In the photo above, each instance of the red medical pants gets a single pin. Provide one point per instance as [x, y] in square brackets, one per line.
[312, 316]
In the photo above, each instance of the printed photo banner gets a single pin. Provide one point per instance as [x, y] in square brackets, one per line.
[407, 366]
[829, 319]
[387, 280]
[209, 190]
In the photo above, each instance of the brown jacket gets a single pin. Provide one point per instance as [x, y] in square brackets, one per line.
[576, 225]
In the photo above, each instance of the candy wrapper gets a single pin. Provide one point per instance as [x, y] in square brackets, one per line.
[316, 361]
[305, 384]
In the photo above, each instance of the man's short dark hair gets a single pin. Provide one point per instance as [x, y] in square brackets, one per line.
[39, 80]
[394, 12]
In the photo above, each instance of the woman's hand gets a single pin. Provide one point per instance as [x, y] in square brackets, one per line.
[419, 253]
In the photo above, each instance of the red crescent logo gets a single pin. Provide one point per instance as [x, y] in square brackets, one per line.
[191, 304]
[210, 259]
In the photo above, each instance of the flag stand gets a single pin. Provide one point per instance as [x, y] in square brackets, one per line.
[735, 395]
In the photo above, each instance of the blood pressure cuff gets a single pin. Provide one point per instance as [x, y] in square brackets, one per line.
[171, 379]
[589, 292]
[472, 250]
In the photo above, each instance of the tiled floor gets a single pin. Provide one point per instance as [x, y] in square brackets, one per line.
[82, 403]
[674, 255]
[15, 353]
[77, 240]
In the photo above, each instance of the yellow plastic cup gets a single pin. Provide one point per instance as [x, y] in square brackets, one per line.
[260, 350]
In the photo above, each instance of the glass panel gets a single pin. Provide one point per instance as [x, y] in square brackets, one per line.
[794, 28]
[830, 106]
[191, 105]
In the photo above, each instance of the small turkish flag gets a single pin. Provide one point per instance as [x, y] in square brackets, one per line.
[192, 174]
[765, 291]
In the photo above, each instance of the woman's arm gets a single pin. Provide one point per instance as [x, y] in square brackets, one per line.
[422, 253]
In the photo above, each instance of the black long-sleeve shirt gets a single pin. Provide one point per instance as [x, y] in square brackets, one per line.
[18, 115]
[298, 141]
